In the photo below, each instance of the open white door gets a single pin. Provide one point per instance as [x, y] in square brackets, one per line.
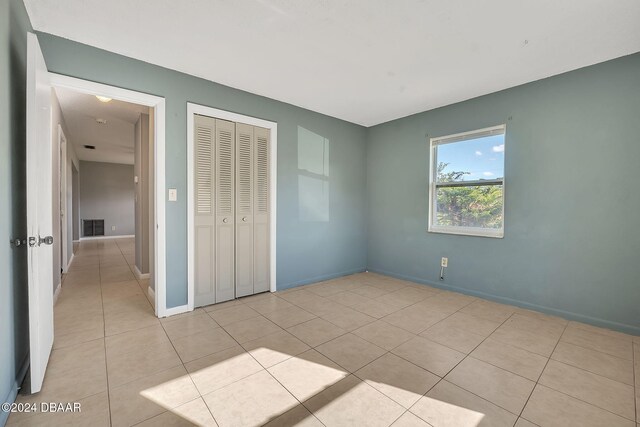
[39, 213]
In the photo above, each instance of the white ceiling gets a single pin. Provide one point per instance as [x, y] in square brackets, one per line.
[365, 61]
[114, 141]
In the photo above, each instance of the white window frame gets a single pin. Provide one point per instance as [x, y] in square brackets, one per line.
[433, 168]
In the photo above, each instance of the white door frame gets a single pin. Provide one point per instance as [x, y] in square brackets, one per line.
[158, 104]
[62, 187]
[192, 110]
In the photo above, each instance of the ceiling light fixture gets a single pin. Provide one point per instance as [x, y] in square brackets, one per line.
[101, 121]
[103, 98]
[89, 147]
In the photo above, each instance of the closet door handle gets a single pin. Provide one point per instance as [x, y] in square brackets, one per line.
[244, 219]
[225, 220]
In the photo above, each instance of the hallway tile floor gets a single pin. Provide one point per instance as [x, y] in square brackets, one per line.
[361, 350]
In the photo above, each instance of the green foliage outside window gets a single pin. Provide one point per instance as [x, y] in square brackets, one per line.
[467, 206]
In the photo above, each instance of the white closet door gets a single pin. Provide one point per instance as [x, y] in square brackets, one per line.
[224, 202]
[244, 210]
[204, 221]
[261, 205]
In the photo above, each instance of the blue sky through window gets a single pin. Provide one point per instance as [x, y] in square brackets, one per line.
[482, 157]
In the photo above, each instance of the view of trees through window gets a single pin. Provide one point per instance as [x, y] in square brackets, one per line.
[467, 205]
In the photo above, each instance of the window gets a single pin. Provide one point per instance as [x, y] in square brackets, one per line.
[466, 191]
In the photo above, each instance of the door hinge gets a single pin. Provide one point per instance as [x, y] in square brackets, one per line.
[16, 243]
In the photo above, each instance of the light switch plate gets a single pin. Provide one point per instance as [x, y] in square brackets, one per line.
[173, 194]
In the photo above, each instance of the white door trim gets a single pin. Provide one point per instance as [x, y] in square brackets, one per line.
[158, 104]
[62, 188]
[192, 110]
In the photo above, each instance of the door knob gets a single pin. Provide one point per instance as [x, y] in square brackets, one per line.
[225, 220]
[37, 241]
[244, 219]
[48, 240]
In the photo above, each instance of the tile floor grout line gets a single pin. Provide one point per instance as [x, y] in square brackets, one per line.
[300, 403]
[167, 411]
[104, 342]
[188, 374]
[601, 352]
[166, 335]
[587, 403]
[589, 371]
[594, 330]
[443, 379]
[416, 335]
[542, 371]
[456, 365]
[461, 360]
[256, 360]
[267, 371]
[324, 342]
[346, 371]
[636, 396]
[574, 397]
[469, 354]
[501, 341]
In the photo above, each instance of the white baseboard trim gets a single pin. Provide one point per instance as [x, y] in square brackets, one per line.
[56, 294]
[126, 236]
[69, 263]
[139, 275]
[176, 310]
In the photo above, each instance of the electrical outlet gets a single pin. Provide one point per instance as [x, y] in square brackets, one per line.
[113, 228]
[444, 262]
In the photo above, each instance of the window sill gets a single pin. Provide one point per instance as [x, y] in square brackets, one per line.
[462, 231]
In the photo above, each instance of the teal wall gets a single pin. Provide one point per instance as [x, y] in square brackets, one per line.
[14, 334]
[306, 250]
[572, 240]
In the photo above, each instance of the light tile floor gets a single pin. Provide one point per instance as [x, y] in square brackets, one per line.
[362, 350]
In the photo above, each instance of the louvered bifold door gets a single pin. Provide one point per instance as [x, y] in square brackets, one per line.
[261, 203]
[204, 214]
[224, 203]
[244, 210]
